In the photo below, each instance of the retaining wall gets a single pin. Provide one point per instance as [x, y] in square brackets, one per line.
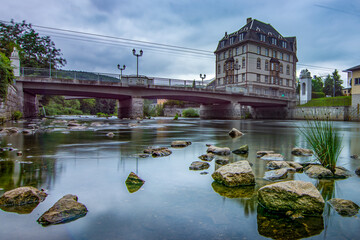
[13, 102]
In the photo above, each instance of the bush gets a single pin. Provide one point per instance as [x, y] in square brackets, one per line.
[16, 115]
[317, 95]
[190, 112]
[100, 114]
[325, 142]
[176, 116]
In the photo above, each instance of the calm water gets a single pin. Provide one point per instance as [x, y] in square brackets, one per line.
[174, 202]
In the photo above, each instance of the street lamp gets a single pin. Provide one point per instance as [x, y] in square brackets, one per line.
[121, 69]
[137, 60]
[202, 78]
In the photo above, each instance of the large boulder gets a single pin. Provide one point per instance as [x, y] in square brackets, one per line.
[318, 171]
[158, 151]
[277, 165]
[273, 157]
[242, 150]
[180, 144]
[259, 154]
[235, 174]
[22, 196]
[235, 133]
[302, 152]
[296, 197]
[344, 207]
[276, 174]
[199, 165]
[218, 150]
[64, 210]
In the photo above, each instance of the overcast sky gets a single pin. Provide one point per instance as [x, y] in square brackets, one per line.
[327, 31]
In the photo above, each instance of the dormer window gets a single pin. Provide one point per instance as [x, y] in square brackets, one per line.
[262, 37]
[222, 43]
[241, 36]
[232, 40]
[273, 41]
[284, 44]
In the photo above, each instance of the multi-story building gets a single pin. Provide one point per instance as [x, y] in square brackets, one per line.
[259, 59]
[354, 80]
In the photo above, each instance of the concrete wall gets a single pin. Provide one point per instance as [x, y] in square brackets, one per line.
[323, 113]
[220, 111]
[14, 102]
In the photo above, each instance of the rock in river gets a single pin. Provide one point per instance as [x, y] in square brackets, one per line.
[158, 151]
[133, 182]
[302, 152]
[344, 207]
[259, 154]
[235, 174]
[295, 196]
[218, 150]
[22, 196]
[277, 165]
[242, 150]
[318, 171]
[64, 210]
[207, 157]
[235, 133]
[198, 165]
[180, 144]
[273, 157]
[276, 174]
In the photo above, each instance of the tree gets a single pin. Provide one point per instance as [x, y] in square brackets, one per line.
[34, 50]
[329, 84]
[6, 75]
[107, 106]
[317, 84]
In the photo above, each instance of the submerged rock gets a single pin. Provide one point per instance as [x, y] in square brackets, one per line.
[218, 150]
[207, 157]
[302, 152]
[344, 207]
[242, 150]
[295, 196]
[143, 155]
[21, 196]
[235, 133]
[180, 144]
[273, 157]
[354, 156]
[73, 124]
[66, 209]
[222, 161]
[158, 151]
[259, 154]
[234, 192]
[110, 134]
[276, 174]
[198, 165]
[235, 174]
[133, 182]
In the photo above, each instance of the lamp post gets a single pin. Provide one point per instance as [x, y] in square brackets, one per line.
[137, 60]
[121, 69]
[202, 78]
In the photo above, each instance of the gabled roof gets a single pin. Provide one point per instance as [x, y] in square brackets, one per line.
[352, 69]
[252, 31]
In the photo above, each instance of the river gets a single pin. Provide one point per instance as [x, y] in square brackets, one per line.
[174, 202]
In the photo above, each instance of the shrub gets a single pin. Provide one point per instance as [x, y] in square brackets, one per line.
[100, 114]
[176, 116]
[16, 115]
[190, 112]
[317, 95]
[325, 142]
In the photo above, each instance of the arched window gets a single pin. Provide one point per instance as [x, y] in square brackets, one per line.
[303, 89]
[258, 63]
[266, 65]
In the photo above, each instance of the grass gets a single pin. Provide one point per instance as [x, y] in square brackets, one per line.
[324, 141]
[328, 102]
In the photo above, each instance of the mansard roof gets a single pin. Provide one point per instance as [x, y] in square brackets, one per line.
[252, 31]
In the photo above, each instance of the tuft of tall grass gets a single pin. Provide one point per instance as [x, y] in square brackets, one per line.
[324, 141]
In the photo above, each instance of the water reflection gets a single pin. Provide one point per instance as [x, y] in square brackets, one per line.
[233, 192]
[23, 209]
[282, 227]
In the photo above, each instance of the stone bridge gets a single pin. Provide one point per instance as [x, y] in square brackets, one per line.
[131, 90]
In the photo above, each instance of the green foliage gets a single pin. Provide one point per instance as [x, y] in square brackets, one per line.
[190, 112]
[107, 106]
[16, 115]
[147, 109]
[329, 84]
[159, 110]
[328, 102]
[324, 141]
[174, 103]
[317, 95]
[34, 50]
[2, 120]
[87, 106]
[176, 116]
[100, 114]
[6, 75]
[317, 84]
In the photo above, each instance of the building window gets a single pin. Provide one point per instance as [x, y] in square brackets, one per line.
[266, 65]
[266, 79]
[287, 57]
[281, 56]
[288, 70]
[243, 63]
[231, 40]
[243, 77]
[266, 52]
[258, 50]
[272, 80]
[277, 67]
[237, 78]
[258, 63]
[274, 53]
[241, 37]
[287, 82]
[258, 77]
[272, 66]
[243, 49]
[224, 69]
[225, 54]
[284, 44]
[236, 51]
[222, 43]
[219, 68]
[273, 41]
[280, 82]
[262, 38]
[357, 81]
[230, 52]
[281, 68]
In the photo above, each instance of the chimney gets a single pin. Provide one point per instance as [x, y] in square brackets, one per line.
[248, 20]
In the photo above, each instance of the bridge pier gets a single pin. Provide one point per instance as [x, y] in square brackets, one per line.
[28, 102]
[269, 112]
[220, 111]
[131, 108]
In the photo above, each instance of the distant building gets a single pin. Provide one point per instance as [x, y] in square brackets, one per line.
[354, 81]
[346, 91]
[259, 59]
